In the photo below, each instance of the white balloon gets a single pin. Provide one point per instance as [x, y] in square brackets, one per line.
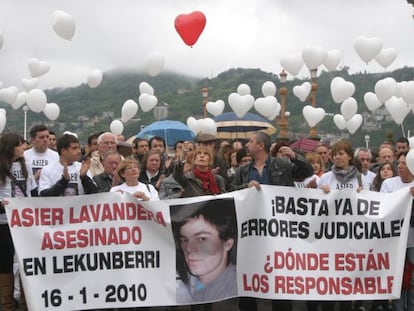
[409, 159]
[243, 89]
[37, 68]
[215, 108]
[314, 56]
[1, 39]
[2, 122]
[9, 94]
[154, 64]
[313, 115]
[385, 88]
[129, 110]
[145, 88]
[292, 63]
[354, 123]
[51, 111]
[20, 100]
[192, 124]
[386, 57]
[147, 102]
[302, 91]
[63, 24]
[407, 91]
[266, 106]
[411, 142]
[36, 100]
[207, 126]
[372, 101]
[341, 89]
[240, 104]
[94, 78]
[116, 127]
[333, 59]
[275, 114]
[339, 121]
[29, 84]
[367, 48]
[269, 89]
[349, 108]
[397, 108]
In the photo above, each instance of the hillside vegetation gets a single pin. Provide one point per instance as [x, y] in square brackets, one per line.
[183, 95]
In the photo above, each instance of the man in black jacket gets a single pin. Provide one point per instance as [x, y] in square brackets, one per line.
[264, 169]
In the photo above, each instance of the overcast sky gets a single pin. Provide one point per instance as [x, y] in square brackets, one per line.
[238, 34]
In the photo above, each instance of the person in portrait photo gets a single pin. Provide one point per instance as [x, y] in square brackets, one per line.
[70, 190]
[206, 237]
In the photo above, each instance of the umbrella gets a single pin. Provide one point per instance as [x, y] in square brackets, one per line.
[232, 127]
[306, 144]
[171, 131]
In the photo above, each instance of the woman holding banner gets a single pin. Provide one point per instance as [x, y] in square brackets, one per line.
[343, 175]
[16, 180]
[128, 170]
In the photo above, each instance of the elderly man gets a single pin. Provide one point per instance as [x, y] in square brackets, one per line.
[385, 154]
[364, 156]
[109, 178]
[106, 141]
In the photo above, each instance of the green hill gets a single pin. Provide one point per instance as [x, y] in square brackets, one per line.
[82, 108]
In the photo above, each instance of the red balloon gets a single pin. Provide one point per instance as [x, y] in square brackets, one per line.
[190, 26]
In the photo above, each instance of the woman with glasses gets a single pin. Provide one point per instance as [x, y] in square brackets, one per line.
[128, 170]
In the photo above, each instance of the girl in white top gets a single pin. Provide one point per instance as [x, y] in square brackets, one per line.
[16, 180]
[128, 170]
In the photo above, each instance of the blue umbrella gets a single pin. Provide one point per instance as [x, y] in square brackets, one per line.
[171, 131]
[232, 127]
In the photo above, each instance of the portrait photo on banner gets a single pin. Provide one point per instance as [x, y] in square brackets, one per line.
[205, 235]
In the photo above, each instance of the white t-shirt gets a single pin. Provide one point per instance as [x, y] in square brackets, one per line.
[11, 189]
[368, 178]
[330, 180]
[393, 184]
[53, 172]
[306, 181]
[148, 189]
[37, 160]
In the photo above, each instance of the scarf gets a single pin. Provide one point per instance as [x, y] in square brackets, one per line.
[346, 175]
[208, 181]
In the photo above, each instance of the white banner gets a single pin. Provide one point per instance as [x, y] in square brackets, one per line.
[111, 251]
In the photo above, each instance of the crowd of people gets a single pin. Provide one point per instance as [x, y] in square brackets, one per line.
[52, 165]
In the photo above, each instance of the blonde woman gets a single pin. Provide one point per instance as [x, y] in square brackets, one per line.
[200, 180]
[128, 170]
